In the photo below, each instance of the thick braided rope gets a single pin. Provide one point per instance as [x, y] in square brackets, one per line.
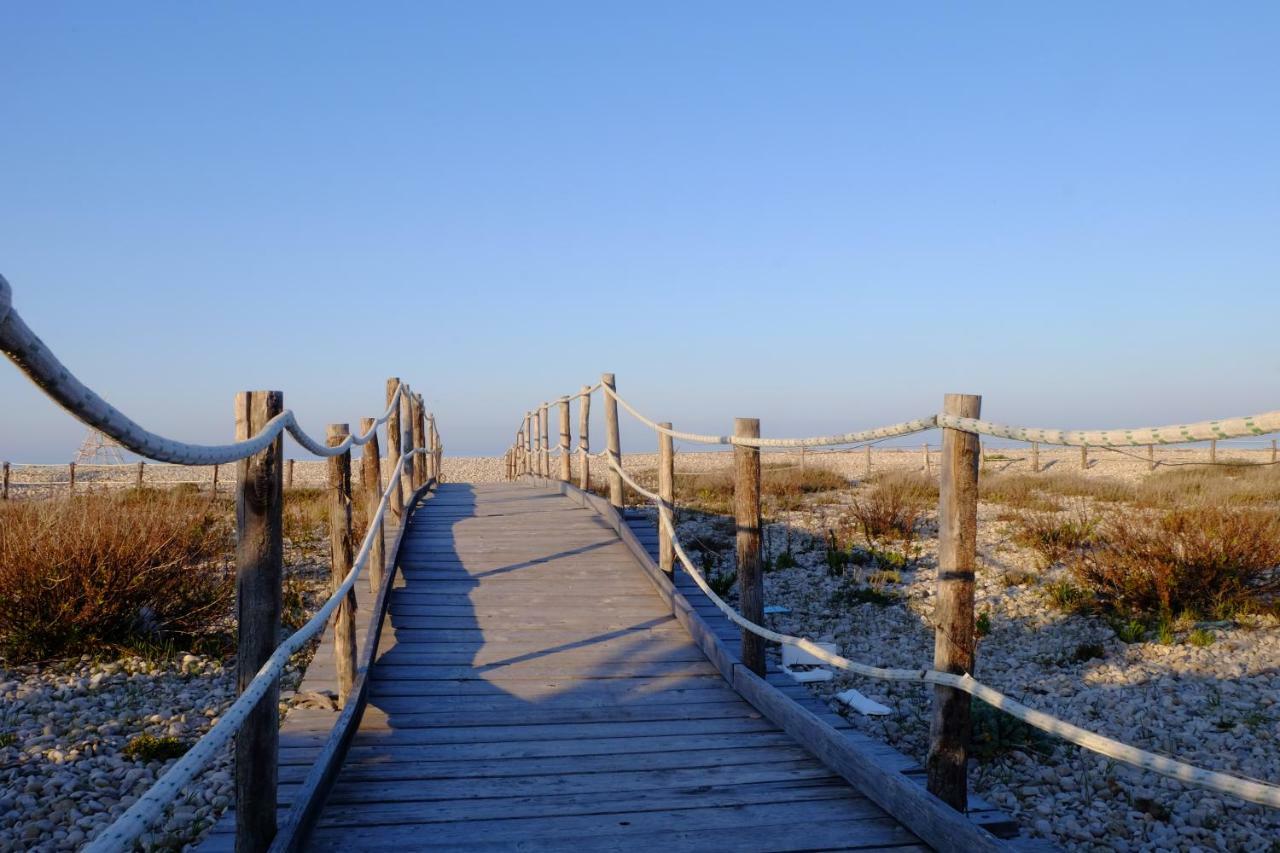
[150, 807]
[1251, 425]
[1256, 792]
[38, 362]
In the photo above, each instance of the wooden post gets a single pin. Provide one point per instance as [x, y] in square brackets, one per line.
[954, 645]
[614, 441]
[371, 483]
[71, 472]
[925, 449]
[544, 421]
[566, 459]
[746, 511]
[4, 491]
[1213, 451]
[342, 554]
[1035, 457]
[537, 442]
[1084, 457]
[288, 475]
[437, 452]
[215, 481]
[138, 479]
[528, 443]
[666, 491]
[259, 579]
[1151, 457]
[868, 449]
[584, 442]
[419, 442]
[406, 445]
[1273, 450]
[393, 450]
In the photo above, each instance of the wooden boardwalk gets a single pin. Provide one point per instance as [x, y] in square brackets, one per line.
[532, 691]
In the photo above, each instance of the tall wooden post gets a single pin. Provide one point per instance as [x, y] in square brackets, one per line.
[528, 443]
[393, 450]
[1151, 457]
[868, 452]
[71, 473]
[954, 646]
[545, 421]
[1035, 457]
[342, 555]
[437, 452]
[259, 580]
[924, 448]
[614, 444]
[215, 481]
[537, 442]
[1213, 451]
[4, 490]
[566, 458]
[1084, 457]
[371, 484]
[666, 491]
[137, 484]
[584, 442]
[1273, 450]
[746, 511]
[406, 446]
[288, 475]
[419, 441]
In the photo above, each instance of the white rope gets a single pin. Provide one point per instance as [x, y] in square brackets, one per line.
[1255, 792]
[1251, 425]
[150, 807]
[38, 362]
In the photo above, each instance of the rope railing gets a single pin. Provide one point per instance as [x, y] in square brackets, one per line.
[148, 809]
[1251, 790]
[419, 438]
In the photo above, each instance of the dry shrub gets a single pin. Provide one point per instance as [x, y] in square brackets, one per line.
[1053, 537]
[306, 514]
[1235, 484]
[893, 506]
[1199, 560]
[1022, 491]
[712, 491]
[110, 570]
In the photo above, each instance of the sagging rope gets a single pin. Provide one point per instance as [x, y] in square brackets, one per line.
[38, 362]
[1252, 791]
[149, 808]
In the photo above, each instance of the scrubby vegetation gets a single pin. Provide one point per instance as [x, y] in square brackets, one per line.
[136, 568]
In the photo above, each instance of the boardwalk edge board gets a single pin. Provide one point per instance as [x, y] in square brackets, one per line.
[309, 798]
[930, 818]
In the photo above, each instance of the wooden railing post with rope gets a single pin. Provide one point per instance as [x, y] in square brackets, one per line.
[341, 556]
[371, 485]
[259, 602]
[393, 444]
[4, 490]
[667, 491]
[614, 445]
[544, 422]
[584, 443]
[747, 515]
[954, 639]
[566, 458]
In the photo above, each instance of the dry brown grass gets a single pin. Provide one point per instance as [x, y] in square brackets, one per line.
[1201, 560]
[894, 505]
[80, 574]
[1222, 485]
[1053, 536]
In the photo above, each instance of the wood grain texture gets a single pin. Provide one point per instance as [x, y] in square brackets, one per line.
[746, 511]
[584, 442]
[613, 441]
[341, 558]
[371, 485]
[953, 619]
[259, 580]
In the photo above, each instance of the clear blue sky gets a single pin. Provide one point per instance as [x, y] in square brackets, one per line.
[822, 214]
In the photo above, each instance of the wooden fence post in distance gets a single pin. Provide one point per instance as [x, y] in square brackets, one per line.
[406, 444]
[666, 491]
[528, 443]
[1213, 451]
[537, 441]
[1035, 457]
[71, 473]
[215, 480]
[954, 644]
[259, 580]
[545, 422]
[566, 458]
[746, 511]
[393, 450]
[1084, 457]
[343, 554]
[614, 444]
[4, 494]
[371, 483]
[1151, 457]
[584, 443]
[419, 441]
